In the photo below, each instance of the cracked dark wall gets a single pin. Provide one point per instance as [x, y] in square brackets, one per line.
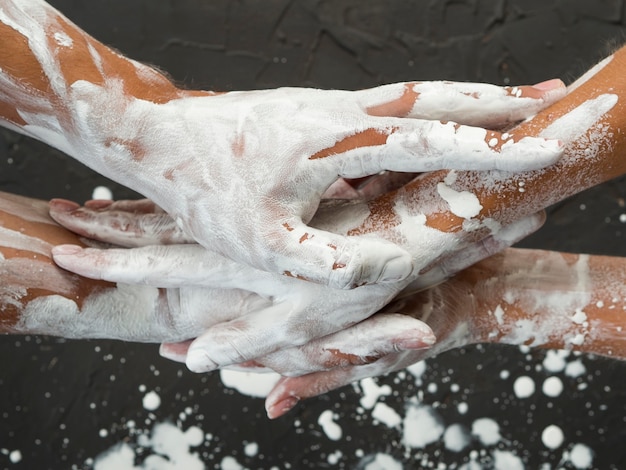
[48, 386]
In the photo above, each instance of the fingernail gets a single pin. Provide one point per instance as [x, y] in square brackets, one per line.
[549, 85]
[418, 342]
[397, 269]
[63, 250]
[280, 408]
[198, 361]
[97, 204]
[63, 205]
[171, 354]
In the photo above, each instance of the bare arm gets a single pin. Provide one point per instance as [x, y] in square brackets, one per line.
[230, 165]
[37, 297]
[434, 218]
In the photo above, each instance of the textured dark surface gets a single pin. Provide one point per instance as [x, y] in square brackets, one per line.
[64, 403]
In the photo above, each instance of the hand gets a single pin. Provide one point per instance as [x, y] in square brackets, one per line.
[286, 312]
[519, 297]
[40, 298]
[242, 173]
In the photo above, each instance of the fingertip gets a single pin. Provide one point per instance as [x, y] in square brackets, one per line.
[530, 153]
[67, 250]
[550, 85]
[371, 261]
[199, 361]
[419, 341]
[281, 407]
[63, 205]
[98, 204]
[397, 269]
[173, 352]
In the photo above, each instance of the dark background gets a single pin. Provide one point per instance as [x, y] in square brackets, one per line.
[63, 403]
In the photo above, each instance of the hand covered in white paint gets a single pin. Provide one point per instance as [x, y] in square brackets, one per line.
[255, 315]
[243, 172]
[447, 308]
[519, 297]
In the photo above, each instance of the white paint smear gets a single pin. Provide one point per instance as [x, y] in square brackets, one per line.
[102, 192]
[249, 383]
[422, 426]
[417, 370]
[507, 460]
[15, 456]
[230, 463]
[331, 428]
[552, 437]
[487, 431]
[555, 360]
[574, 124]
[335, 457]
[151, 401]
[168, 449]
[552, 386]
[462, 203]
[524, 387]
[381, 462]
[581, 456]
[251, 449]
[386, 415]
[456, 438]
[575, 369]
[372, 392]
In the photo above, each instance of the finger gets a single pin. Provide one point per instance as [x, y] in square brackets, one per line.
[290, 390]
[121, 223]
[474, 104]
[176, 352]
[243, 339]
[159, 266]
[301, 312]
[341, 262]
[475, 252]
[136, 206]
[368, 188]
[363, 343]
[418, 146]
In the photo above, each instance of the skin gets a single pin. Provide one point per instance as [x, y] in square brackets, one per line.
[419, 216]
[520, 297]
[500, 300]
[243, 172]
[343, 154]
[590, 120]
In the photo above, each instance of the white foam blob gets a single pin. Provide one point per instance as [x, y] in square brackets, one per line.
[552, 386]
[581, 456]
[422, 426]
[386, 415]
[249, 383]
[330, 427]
[102, 192]
[487, 431]
[552, 437]
[524, 386]
[456, 437]
[151, 401]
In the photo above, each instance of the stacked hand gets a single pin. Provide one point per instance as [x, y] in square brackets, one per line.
[295, 327]
[253, 319]
[242, 173]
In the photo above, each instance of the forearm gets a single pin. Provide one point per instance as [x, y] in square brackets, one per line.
[552, 300]
[51, 73]
[37, 297]
[529, 297]
[437, 206]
